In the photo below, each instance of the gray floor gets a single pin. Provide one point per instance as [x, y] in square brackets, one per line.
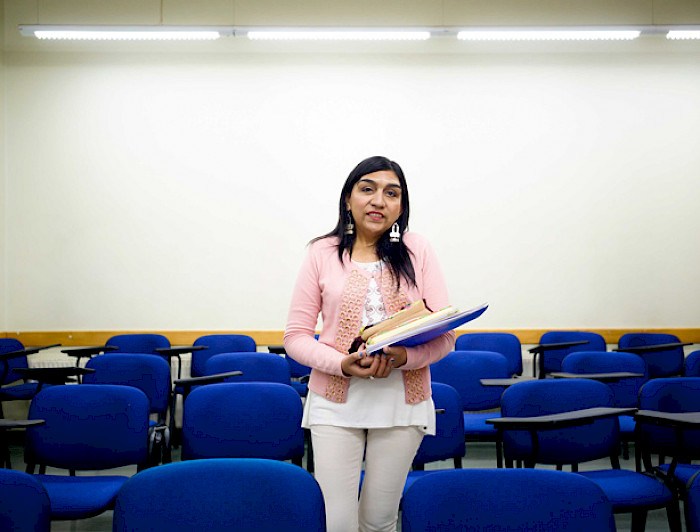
[477, 456]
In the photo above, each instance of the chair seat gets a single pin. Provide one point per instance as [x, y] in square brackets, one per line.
[475, 424]
[301, 388]
[626, 426]
[71, 500]
[627, 489]
[25, 390]
[683, 473]
[415, 475]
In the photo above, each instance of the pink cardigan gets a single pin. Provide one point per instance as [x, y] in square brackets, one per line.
[338, 291]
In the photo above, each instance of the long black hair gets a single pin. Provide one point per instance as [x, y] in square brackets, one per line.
[395, 254]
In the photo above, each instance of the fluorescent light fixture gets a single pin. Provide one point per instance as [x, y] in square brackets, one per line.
[683, 34]
[125, 33]
[546, 35]
[322, 34]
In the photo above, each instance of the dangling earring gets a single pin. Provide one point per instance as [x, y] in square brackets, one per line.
[349, 226]
[395, 234]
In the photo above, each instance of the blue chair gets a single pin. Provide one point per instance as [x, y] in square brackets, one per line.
[548, 356]
[256, 367]
[16, 357]
[88, 427]
[625, 391]
[692, 505]
[505, 343]
[220, 495]
[149, 374]
[628, 491]
[692, 364]
[661, 363]
[300, 376]
[506, 500]
[24, 503]
[448, 441]
[243, 420]
[219, 343]
[138, 343]
[463, 370]
[671, 395]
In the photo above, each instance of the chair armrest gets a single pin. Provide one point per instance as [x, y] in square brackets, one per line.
[180, 350]
[59, 375]
[88, 351]
[652, 348]
[507, 381]
[559, 345]
[561, 420]
[24, 352]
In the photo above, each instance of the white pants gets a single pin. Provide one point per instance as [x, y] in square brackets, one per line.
[338, 453]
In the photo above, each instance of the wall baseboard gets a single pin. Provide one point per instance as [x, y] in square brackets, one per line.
[271, 337]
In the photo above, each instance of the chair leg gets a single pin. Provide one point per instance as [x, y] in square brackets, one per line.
[499, 454]
[639, 520]
[674, 516]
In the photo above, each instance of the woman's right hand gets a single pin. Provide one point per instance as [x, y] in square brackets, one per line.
[361, 365]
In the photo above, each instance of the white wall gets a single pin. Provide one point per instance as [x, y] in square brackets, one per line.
[177, 191]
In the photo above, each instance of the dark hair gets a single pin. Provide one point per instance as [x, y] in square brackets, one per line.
[395, 254]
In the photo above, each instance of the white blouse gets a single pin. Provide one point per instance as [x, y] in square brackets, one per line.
[371, 403]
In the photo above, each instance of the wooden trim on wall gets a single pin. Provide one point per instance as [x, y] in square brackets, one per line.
[84, 338]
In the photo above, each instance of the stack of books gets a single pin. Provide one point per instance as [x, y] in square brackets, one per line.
[415, 325]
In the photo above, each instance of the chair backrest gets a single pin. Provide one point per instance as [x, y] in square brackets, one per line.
[505, 499]
[138, 343]
[625, 391]
[243, 420]
[505, 343]
[463, 370]
[220, 495]
[24, 503]
[675, 395]
[553, 396]
[448, 441]
[256, 367]
[297, 369]
[666, 363]
[219, 343]
[692, 364]
[149, 374]
[553, 358]
[89, 427]
[7, 345]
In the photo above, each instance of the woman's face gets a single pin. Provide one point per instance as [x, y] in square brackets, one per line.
[375, 204]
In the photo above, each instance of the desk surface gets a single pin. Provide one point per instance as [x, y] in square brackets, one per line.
[563, 419]
[652, 348]
[506, 381]
[58, 375]
[20, 423]
[558, 345]
[669, 419]
[602, 377]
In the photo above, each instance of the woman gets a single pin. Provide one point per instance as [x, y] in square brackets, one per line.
[378, 406]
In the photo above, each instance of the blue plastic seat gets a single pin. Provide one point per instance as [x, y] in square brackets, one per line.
[506, 500]
[256, 367]
[243, 420]
[89, 427]
[463, 370]
[149, 374]
[664, 363]
[505, 343]
[219, 343]
[692, 364]
[628, 491]
[24, 503]
[551, 359]
[9, 391]
[220, 495]
[448, 441]
[625, 391]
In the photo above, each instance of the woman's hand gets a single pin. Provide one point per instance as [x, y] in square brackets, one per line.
[397, 355]
[365, 366]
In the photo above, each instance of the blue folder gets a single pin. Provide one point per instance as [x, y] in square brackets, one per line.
[429, 331]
